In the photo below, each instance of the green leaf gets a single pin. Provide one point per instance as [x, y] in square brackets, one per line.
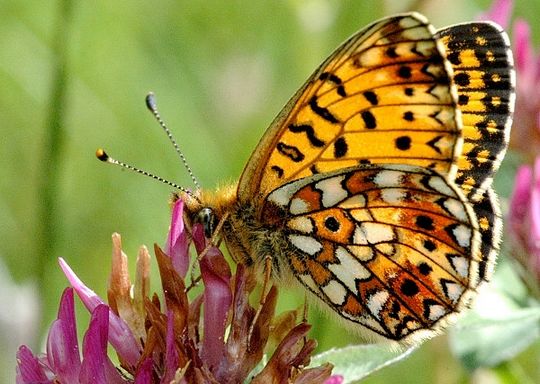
[355, 362]
[482, 341]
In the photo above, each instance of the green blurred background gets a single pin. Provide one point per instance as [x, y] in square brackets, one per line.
[74, 75]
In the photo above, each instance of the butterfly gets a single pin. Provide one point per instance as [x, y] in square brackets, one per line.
[371, 189]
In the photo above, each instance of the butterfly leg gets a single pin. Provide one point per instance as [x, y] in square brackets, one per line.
[264, 293]
[305, 309]
[213, 242]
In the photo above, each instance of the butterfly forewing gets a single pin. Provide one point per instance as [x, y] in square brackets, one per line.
[483, 68]
[392, 247]
[384, 96]
[484, 76]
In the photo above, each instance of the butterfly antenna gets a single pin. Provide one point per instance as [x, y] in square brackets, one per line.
[151, 104]
[103, 156]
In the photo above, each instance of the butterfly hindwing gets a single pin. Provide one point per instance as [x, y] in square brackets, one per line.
[392, 247]
[384, 96]
[483, 69]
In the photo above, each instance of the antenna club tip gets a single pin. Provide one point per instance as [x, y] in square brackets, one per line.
[151, 101]
[102, 155]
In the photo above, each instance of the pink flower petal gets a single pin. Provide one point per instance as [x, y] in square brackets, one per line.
[500, 12]
[62, 343]
[29, 369]
[171, 354]
[199, 240]
[120, 335]
[520, 200]
[216, 276]
[144, 373]
[178, 240]
[523, 51]
[534, 234]
[96, 367]
[335, 379]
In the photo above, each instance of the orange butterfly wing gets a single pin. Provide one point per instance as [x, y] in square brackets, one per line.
[391, 247]
[385, 95]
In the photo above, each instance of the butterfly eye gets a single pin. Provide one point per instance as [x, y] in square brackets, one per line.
[208, 220]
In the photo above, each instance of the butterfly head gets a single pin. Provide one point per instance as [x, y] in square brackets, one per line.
[207, 207]
[207, 219]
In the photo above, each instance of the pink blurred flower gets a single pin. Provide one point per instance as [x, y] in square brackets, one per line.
[335, 379]
[500, 12]
[524, 217]
[526, 128]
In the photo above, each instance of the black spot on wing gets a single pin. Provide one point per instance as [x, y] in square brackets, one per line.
[425, 222]
[404, 72]
[278, 170]
[340, 147]
[429, 245]
[409, 288]
[290, 151]
[403, 143]
[336, 80]
[310, 133]
[408, 115]
[369, 119]
[371, 97]
[321, 111]
[424, 268]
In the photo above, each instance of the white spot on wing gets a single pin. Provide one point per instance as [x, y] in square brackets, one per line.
[438, 184]
[332, 191]
[454, 291]
[306, 244]
[301, 224]
[361, 215]
[456, 208]
[393, 195]
[436, 311]
[282, 196]
[376, 302]
[356, 201]
[309, 282]
[377, 232]
[425, 47]
[389, 178]
[299, 206]
[362, 252]
[441, 93]
[463, 235]
[461, 265]
[417, 34]
[359, 236]
[387, 249]
[409, 22]
[335, 292]
[348, 269]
